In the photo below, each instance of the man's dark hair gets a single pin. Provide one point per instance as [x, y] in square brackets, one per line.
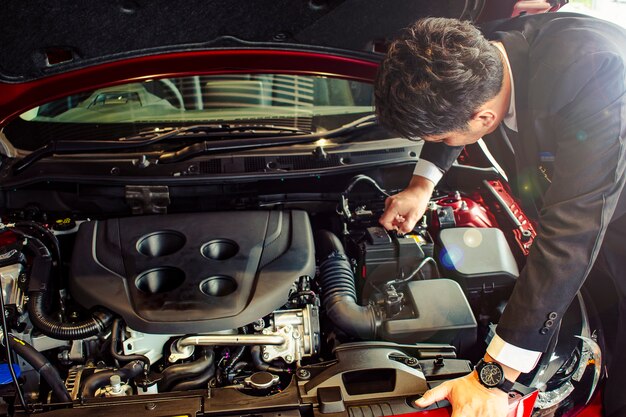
[436, 74]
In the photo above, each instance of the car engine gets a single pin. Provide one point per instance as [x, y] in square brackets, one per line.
[325, 309]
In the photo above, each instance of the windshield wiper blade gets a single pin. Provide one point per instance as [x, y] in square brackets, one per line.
[161, 134]
[154, 137]
[226, 146]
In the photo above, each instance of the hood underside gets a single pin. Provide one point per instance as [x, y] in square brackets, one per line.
[53, 36]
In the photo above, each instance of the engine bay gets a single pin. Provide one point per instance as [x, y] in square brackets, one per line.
[283, 308]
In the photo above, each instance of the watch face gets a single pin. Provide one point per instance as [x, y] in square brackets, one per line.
[491, 375]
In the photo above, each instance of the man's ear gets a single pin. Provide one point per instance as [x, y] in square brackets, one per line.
[485, 119]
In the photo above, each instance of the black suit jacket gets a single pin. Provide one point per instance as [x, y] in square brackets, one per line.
[569, 74]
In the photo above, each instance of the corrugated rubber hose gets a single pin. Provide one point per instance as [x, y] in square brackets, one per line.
[339, 296]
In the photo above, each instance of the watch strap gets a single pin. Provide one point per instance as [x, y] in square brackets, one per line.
[506, 385]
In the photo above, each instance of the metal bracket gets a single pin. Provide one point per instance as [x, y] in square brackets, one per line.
[147, 199]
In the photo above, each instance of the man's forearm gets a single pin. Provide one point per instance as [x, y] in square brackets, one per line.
[419, 183]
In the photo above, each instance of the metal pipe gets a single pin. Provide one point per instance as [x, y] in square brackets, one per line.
[184, 347]
[231, 340]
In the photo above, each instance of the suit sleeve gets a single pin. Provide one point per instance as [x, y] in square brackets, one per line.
[588, 178]
[440, 154]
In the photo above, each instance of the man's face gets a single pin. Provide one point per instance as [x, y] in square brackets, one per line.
[457, 138]
[483, 122]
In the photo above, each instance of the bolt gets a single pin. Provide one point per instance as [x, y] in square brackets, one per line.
[281, 36]
[411, 361]
[526, 235]
[259, 325]
[296, 334]
[303, 374]
[142, 162]
[289, 358]
[116, 384]
[266, 356]
[150, 406]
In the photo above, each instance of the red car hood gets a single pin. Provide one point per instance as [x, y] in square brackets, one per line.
[54, 48]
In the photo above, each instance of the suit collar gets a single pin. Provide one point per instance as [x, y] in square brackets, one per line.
[524, 141]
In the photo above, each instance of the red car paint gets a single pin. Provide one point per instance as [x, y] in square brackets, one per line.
[468, 212]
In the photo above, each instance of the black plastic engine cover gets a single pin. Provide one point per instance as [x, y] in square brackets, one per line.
[192, 273]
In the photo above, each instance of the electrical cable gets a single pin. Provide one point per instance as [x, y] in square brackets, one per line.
[115, 338]
[368, 180]
[415, 271]
[5, 334]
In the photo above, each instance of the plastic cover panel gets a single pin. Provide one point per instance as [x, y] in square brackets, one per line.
[442, 314]
[478, 257]
[189, 273]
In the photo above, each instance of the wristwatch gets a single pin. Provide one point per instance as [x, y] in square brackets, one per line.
[491, 375]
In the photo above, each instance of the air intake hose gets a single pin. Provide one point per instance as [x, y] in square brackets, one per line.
[37, 291]
[64, 331]
[339, 292]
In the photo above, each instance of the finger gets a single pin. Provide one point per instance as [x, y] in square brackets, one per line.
[388, 218]
[431, 396]
[388, 201]
[409, 223]
[387, 224]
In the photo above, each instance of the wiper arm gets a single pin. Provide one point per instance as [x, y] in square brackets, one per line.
[154, 137]
[226, 146]
[358, 124]
[253, 137]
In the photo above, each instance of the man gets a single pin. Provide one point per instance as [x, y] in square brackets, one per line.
[554, 84]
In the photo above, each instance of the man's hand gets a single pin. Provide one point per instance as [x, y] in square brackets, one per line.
[468, 398]
[403, 210]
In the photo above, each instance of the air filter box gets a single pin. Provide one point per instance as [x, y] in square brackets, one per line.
[477, 258]
[436, 311]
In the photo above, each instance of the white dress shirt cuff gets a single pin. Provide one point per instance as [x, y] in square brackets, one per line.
[521, 360]
[428, 170]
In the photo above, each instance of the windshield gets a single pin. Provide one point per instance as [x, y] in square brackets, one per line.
[310, 103]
